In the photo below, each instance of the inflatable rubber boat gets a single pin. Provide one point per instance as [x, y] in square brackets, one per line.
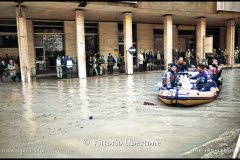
[187, 94]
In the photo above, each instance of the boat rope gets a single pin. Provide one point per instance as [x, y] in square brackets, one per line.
[176, 95]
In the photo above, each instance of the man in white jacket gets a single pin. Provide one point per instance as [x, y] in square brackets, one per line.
[140, 61]
[59, 67]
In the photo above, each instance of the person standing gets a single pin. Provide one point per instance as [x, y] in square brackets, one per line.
[95, 64]
[145, 61]
[2, 69]
[64, 66]
[111, 62]
[225, 55]
[158, 58]
[69, 67]
[102, 65]
[188, 57]
[18, 71]
[150, 60]
[120, 63]
[59, 67]
[215, 55]
[140, 61]
[236, 53]
[12, 70]
[193, 57]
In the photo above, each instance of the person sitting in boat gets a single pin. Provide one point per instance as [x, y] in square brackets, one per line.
[165, 72]
[216, 71]
[181, 65]
[169, 78]
[214, 67]
[205, 81]
[207, 70]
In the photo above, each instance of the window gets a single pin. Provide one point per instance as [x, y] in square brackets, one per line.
[120, 33]
[158, 31]
[8, 41]
[48, 27]
[184, 32]
[91, 38]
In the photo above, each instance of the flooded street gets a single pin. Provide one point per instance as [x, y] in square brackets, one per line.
[105, 117]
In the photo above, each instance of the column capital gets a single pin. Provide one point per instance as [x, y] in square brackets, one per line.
[79, 13]
[200, 17]
[167, 15]
[20, 11]
[127, 12]
[79, 10]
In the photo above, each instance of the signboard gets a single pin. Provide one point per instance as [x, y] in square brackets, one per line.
[233, 6]
[132, 50]
[208, 44]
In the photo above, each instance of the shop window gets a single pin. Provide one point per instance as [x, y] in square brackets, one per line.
[8, 41]
[91, 38]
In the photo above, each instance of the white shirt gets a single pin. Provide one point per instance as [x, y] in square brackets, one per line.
[69, 64]
[158, 56]
[140, 58]
[58, 62]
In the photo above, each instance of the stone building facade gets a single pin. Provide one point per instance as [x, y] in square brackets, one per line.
[69, 28]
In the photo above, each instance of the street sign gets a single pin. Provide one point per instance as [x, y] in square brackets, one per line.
[132, 50]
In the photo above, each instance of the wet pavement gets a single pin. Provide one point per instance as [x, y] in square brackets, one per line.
[106, 117]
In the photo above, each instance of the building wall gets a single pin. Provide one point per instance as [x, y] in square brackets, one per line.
[203, 6]
[108, 38]
[222, 36]
[175, 37]
[9, 51]
[70, 38]
[31, 49]
[158, 26]
[145, 37]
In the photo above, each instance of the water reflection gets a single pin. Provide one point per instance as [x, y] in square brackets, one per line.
[28, 114]
[83, 98]
[131, 98]
[60, 89]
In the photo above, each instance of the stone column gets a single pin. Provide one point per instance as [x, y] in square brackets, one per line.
[31, 48]
[168, 31]
[201, 32]
[127, 34]
[230, 40]
[80, 40]
[23, 44]
[222, 36]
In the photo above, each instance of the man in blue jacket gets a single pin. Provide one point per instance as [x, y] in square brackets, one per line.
[205, 81]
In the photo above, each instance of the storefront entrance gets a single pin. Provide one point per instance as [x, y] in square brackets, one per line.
[49, 43]
[47, 48]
